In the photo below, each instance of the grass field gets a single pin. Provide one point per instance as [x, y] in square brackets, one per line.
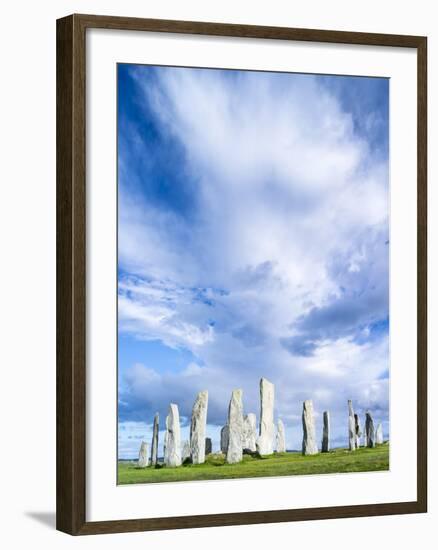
[284, 464]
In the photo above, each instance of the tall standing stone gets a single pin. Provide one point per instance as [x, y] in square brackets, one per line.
[369, 427]
[357, 430]
[198, 427]
[309, 439]
[265, 441]
[208, 446]
[235, 427]
[166, 437]
[249, 432]
[154, 446]
[325, 447]
[351, 427]
[173, 438]
[143, 455]
[224, 439]
[379, 434]
[186, 452]
[281, 437]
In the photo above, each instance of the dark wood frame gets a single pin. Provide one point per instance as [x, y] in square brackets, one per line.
[71, 266]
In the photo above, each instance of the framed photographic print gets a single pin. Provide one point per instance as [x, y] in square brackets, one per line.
[241, 274]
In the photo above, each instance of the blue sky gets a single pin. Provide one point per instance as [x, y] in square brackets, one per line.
[253, 241]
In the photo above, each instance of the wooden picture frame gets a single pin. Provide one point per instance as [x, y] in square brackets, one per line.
[71, 273]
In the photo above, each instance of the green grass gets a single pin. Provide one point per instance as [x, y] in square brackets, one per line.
[284, 464]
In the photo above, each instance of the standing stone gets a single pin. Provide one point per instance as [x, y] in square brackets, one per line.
[351, 427]
[309, 439]
[198, 427]
[265, 441]
[166, 437]
[357, 430]
[281, 437]
[235, 428]
[249, 436]
[325, 447]
[173, 438]
[208, 446]
[379, 434]
[143, 455]
[369, 427]
[224, 439]
[186, 452]
[154, 446]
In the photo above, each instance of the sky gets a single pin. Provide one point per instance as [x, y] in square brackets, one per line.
[253, 240]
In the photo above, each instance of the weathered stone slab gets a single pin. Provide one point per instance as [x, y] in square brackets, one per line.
[379, 434]
[235, 428]
[369, 427]
[198, 428]
[154, 446]
[173, 438]
[281, 437]
[249, 436]
[309, 439]
[143, 455]
[186, 452]
[208, 446]
[265, 441]
[224, 439]
[325, 447]
[357, 430]
[166, 437]
[351, 427]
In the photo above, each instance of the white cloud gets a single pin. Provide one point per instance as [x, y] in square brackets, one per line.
[149, 310]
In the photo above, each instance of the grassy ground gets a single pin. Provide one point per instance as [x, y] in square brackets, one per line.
[284, 464]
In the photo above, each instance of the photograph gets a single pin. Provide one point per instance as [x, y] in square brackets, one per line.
[219, 260]
[253, 250]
